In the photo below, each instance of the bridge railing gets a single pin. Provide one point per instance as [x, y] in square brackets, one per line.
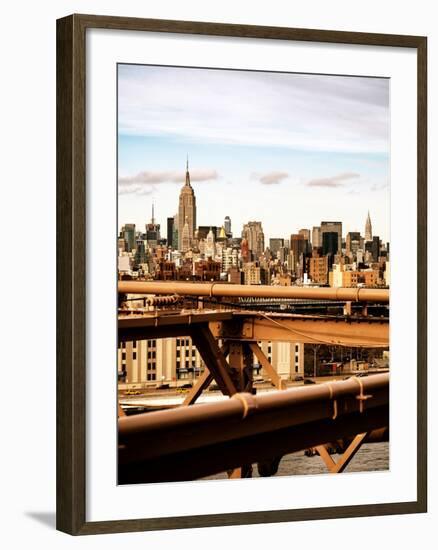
[380, 295]
[193, 442]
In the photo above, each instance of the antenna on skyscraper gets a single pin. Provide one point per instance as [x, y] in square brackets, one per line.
[153, 220]
[187, 163]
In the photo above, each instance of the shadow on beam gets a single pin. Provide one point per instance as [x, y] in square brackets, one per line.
[212, 459]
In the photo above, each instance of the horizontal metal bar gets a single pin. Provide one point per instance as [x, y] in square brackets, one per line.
[212, 459]
[153, 435]
[313, 329]
[262, 291]
[181, 318]
[252, 326]
[149, 326]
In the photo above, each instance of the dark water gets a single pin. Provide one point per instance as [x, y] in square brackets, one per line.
[370, 457]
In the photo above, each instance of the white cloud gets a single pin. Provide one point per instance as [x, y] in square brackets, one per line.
[333, 181]
[144, 183]
[270, 178]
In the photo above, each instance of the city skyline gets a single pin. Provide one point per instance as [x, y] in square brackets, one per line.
[330, 154]
[237, 233]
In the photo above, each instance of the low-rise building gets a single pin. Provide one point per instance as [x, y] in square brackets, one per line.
[318, 269]
[175, 361]
[346, 276]
[251, 274]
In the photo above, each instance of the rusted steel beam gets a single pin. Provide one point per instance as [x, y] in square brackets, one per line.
[339, 446]
[144, 327]
[212, 459]
[203, 381]
[179, 318]
[187, 428]
[151, 332]
[313, 329]
[251, 326]
[241, 370]
[248, 291]
[213, 358]
[263, 360]
[240, 362]
[347, 456]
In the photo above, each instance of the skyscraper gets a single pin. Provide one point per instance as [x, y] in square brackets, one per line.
[332, 227]
[185, 237]
[244, 250]
[209, 244]
[298, 247]
[227, 226]
[351, 237]
[170, 231]
[275, 245]
[316, 237]
[140, 253]
[128, 233]
[152, 231]
[330, 242]
[305, 233]
[373, 246]
[186, 210]
[368, 228]
[253, 233]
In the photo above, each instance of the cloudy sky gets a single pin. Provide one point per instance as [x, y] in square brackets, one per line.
[287, 149]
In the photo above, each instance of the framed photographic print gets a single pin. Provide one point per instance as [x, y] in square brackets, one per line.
[241, 274]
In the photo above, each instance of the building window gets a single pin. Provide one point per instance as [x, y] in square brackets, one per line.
[123, 355]
[296, 348]
[134, 355]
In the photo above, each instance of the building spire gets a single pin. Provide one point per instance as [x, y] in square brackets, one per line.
[187, 172]
[368, 228]
[153, 219]
[186, 209]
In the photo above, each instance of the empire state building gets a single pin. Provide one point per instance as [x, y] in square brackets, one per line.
[186, 212]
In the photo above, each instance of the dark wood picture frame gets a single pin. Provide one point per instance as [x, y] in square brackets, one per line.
[71, 271]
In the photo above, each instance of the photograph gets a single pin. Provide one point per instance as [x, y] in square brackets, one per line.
[253, 274]
[229, 286]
